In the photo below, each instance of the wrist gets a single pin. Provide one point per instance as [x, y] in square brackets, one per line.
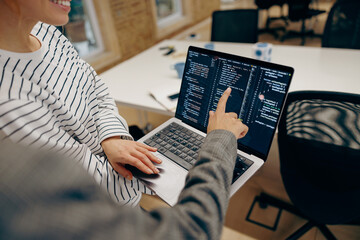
[120, 137]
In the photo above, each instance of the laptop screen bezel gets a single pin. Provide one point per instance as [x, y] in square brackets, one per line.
[251, 61]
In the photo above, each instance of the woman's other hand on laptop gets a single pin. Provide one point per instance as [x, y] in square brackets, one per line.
[227, 121]
[120, 152]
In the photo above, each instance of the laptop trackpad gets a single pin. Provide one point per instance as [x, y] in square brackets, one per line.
[168, 183]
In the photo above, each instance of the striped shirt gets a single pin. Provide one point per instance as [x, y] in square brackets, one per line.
[53, 99]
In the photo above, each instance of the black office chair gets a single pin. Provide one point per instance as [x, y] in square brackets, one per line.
[235, 26]
[342, 29]
[299, 11]
[266, 5]
[319, 146]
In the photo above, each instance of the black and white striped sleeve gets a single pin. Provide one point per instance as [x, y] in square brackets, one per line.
[36, 124]
[109, 123]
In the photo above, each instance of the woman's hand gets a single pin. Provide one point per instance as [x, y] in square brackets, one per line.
[120, 152]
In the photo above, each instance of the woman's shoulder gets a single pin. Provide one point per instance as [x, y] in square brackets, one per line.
[51, 36]
[43, 29]
[47, 33]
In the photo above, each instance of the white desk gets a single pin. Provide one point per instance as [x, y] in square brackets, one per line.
[315, 69]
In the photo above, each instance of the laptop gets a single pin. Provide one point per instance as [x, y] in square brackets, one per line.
[259, 90]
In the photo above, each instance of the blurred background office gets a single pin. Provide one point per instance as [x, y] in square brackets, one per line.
[109, 32]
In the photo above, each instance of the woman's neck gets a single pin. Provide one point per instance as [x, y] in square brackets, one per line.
[15, 32]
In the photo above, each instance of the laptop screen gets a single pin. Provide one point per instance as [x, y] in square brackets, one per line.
[258, 93]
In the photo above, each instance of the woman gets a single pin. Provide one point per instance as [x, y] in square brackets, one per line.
[52, 99]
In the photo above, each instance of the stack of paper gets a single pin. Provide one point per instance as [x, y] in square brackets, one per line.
[167, 95]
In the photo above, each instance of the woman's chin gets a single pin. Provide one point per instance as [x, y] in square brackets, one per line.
[58, 21]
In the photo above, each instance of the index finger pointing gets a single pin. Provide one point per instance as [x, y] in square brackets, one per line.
[222, 101]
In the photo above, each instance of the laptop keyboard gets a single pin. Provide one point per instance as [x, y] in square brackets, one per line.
[182, 146]
[241, 165]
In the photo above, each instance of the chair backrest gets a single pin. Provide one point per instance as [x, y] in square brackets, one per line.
[342, 28]
[298, 9]
[319, 146]
[266, 4]
[239, 25]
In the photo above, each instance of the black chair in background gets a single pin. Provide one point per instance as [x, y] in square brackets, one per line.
[342, 29]
[299, 11]
[235, 26]
[266, 5]
[319, 146]
[136, 132]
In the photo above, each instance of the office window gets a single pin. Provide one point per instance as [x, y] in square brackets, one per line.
[83, 29]
[168, 11]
